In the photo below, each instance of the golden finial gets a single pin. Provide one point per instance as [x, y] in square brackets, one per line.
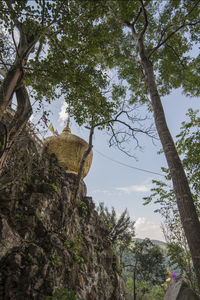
[67, 128]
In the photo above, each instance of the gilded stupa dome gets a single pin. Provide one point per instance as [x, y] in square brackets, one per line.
[69, 150]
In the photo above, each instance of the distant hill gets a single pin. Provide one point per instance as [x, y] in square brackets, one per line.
[155, 242]
[161, 244]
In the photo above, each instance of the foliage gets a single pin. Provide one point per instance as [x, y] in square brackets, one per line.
[142, 257]
[121, 229]
[157, 292]
[75, 248]
[82, 205]
[56, 261]
[188, 143]
[60, 63]
[147, 261]
[64, 294]
[128, 286]
[114, 46]
[54, 186]
[144, 291]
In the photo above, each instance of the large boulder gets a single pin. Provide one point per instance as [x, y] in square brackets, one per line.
[51, 242]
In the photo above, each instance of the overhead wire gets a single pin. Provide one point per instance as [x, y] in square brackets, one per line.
[125, 165]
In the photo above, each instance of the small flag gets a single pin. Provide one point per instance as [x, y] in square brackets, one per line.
[44, 119]
[51, 129]
[56, 133]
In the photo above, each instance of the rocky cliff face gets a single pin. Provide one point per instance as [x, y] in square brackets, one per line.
[48, 240]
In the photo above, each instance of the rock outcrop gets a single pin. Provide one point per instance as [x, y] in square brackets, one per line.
[50, 241]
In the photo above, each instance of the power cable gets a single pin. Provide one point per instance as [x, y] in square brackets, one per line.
[125, 165]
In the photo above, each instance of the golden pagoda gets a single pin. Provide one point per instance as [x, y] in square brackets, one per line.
[69, 150]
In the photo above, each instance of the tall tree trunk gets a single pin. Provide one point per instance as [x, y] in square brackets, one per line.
[15, 74]
[24, 111]
[13, 82]
[188, 214]
[8, 86]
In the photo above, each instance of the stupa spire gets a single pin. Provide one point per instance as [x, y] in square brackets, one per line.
[67, 128]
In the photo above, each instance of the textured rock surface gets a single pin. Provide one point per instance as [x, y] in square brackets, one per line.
[48, 239]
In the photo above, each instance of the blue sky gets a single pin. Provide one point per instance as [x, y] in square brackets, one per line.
[120, 186]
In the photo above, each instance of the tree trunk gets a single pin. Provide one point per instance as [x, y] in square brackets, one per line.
[85, 155]
[188, 214]
[24, 111]
[15, 74]
[13, 82]
[8, 86]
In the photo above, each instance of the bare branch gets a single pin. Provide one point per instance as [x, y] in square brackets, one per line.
[85, 155]
[39, 50]
[137, 17]
[3, 72]
[13, 38]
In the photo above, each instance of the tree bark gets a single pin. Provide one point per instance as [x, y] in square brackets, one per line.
[188, 214]
[15, 75]
[8, 86]
[85, 155]
[24, 111]
[13, 82]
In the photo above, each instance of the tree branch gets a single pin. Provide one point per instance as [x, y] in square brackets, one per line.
[194, 6]
[16, 48]
[176, 54]
[3, 72]
[85, 155]
[24, 111]
[137, 17]
[129, 25]
[145, 18]
[170, 35]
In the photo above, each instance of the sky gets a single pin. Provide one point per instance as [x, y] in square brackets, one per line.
[122, 186]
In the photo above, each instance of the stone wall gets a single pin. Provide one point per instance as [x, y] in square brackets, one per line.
[49, 240]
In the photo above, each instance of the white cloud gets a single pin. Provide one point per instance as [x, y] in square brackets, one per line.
[105, 192]
[63, 113]
[145, 229]
[138, 188]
